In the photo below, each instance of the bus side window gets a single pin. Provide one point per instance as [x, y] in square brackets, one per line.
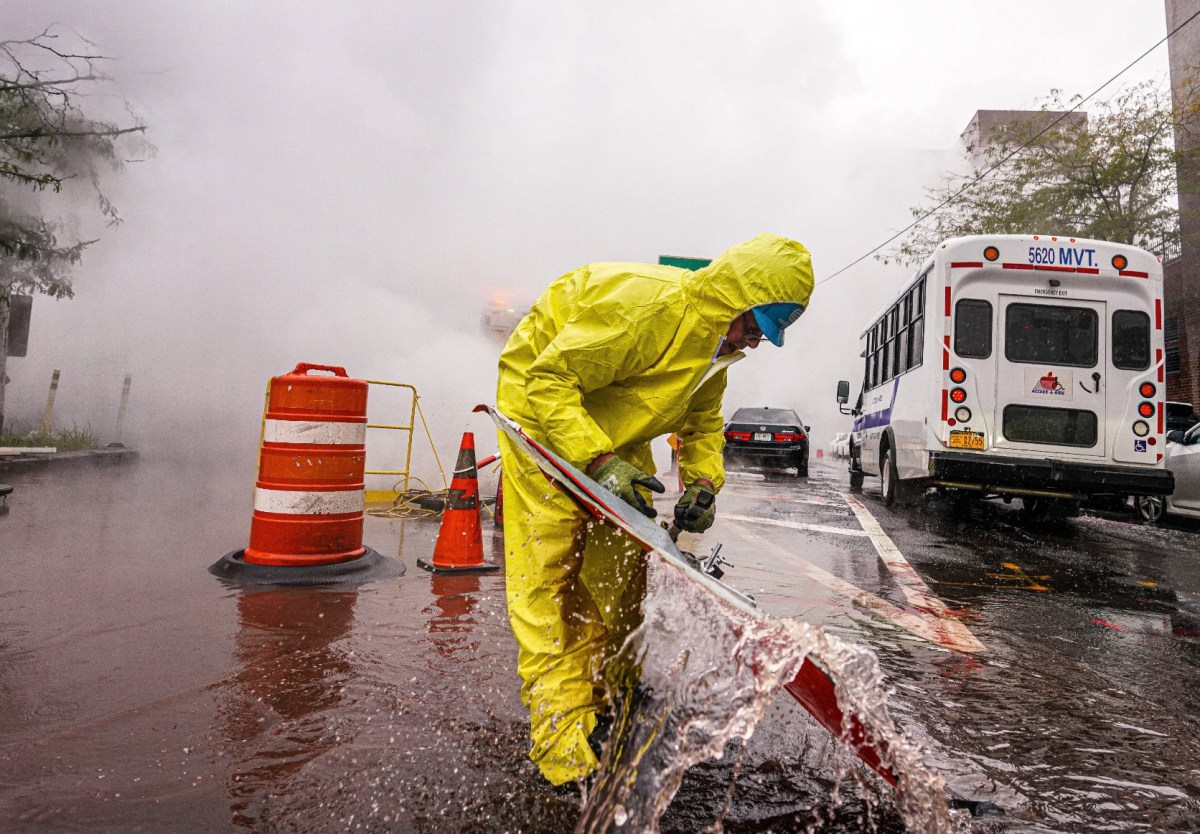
[904, 341]
[895, 335]
[1131, 340]
[871, 359]
[916, 337]
[973, 328]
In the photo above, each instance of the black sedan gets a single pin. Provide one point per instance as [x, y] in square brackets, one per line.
[769, 437]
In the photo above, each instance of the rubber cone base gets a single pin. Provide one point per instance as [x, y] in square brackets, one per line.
[235, 570]
[482, 567]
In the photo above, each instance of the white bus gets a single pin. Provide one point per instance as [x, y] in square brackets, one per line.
[1017, 365]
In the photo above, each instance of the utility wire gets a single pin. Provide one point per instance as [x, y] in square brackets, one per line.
[978, 179]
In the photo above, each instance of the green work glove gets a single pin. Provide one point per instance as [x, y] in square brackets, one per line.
[620, 478]
[697, 507]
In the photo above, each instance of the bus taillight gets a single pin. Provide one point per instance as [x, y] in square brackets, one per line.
[959, 395]
[1147, 390]
[958, 376]
[1146, 409]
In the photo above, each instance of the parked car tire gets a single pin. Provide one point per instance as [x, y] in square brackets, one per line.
[1150, 508]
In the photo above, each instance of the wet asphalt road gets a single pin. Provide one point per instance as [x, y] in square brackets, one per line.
[137, 693]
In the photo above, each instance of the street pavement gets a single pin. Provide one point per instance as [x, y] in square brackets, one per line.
[1045, 668]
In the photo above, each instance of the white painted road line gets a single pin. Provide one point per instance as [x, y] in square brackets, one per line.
[925, 627]
[795, 525]
[914, 588]
[820, 502]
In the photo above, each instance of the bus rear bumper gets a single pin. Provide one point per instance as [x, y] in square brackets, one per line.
[1023, 476]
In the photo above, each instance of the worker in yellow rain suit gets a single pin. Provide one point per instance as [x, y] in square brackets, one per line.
[611, 356]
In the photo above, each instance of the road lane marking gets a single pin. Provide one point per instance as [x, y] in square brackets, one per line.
[914, 588]
[933, 629]
[795, 525]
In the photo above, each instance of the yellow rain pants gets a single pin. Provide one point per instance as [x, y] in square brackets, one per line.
[610, 356]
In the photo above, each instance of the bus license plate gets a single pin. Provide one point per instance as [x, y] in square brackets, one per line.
[966, 440]
[764, 436]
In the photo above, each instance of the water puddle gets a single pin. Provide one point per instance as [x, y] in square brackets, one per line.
[710, 670]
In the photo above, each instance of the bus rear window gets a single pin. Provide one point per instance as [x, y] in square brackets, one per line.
[1131, 340]
[973, 328]
[1053, 426]
[1051, 335]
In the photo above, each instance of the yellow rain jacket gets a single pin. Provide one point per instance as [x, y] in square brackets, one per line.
[611, 356]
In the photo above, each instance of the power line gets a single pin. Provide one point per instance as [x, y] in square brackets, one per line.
[978, 179]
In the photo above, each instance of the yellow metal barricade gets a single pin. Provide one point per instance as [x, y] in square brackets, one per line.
[402, 498]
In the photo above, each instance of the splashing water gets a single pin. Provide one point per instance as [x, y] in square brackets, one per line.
[710, 668]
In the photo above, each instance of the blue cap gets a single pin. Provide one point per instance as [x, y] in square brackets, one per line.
[773, 318]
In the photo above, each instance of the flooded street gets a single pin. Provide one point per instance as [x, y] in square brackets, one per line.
[142, 694]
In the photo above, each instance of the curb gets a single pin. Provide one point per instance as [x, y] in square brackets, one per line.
[96, 457]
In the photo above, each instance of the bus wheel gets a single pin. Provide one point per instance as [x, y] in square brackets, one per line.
[890, 478]
[1035, 508]
[1149, 507]
[961, 502]
[856, 473]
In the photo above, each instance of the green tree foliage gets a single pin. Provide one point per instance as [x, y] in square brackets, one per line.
[1109, 177]
[53, 147]
[48, 142]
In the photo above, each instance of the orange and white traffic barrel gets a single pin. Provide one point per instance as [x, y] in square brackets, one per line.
[308, 498]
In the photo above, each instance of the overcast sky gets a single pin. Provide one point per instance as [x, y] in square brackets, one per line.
[351, 182]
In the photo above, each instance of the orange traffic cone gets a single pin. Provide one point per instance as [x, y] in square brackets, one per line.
[459, 544]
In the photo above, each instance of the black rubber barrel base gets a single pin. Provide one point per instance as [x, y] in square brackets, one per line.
[232, 568]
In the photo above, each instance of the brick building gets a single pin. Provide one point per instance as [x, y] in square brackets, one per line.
[988, 125]
[1181, 275]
